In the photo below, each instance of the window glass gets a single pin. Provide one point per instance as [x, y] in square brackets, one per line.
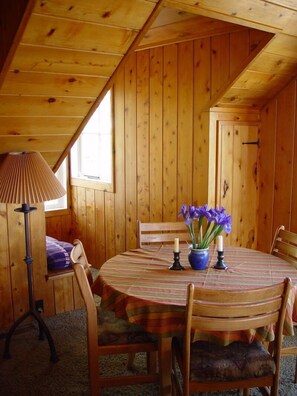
[59, 203]
[91, 155]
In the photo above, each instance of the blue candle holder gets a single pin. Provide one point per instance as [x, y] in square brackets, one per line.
[176, 266]
[220, 265]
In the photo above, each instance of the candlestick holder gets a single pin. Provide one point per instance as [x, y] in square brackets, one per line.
[176, 266]
[220, 263]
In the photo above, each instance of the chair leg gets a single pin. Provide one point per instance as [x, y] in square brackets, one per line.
[151, 361]
[295, 379]
[130, 363]
[246, 392]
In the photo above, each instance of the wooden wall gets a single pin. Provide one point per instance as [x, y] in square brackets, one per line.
[163, 158]
[278, 166]
[163, 150]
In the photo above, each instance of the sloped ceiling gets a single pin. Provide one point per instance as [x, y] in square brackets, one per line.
[65, 54]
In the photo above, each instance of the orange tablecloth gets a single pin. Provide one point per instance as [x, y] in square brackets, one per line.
[138, 286]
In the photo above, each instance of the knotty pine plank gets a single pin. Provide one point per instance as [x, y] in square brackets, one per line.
[36, 106]
[143, 137]
[17, 250]
[59, 226]
[170, 145]
[245, 190]
[121, 13]
[273, 63]
[156, 134]
[130, 152]
[220, 64]
[293, 226]
[225, 178]
[119, 169]
[185, 124]
[50, 84]
[283, 45]
[99, 231]
[81, 213]
[286, 104]
[63, 33]
[51, 157]
[109, 225]
[201, 87]
[265, 15]
[90, 243]
[57, 60]
[239, 49]
[30, 126]
[42, 288]
[35, 143]
[63, 292]
[202, 76]
[266, 176]
[6, 302]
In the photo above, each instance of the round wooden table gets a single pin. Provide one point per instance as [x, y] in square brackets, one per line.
[139, 286]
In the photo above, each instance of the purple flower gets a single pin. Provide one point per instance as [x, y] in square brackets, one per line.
[187, 214]
[216, 221]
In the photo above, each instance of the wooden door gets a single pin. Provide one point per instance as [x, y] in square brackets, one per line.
[237, 180]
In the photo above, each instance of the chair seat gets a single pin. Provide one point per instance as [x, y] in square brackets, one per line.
[238, 360]
[113, 330]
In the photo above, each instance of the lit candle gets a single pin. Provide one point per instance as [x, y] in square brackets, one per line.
[220, 243]
[176, 245]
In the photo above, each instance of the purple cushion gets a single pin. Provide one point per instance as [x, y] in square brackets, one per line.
[65, 245]
[57, 256]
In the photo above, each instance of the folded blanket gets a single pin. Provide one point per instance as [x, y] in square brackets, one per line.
[57, 253]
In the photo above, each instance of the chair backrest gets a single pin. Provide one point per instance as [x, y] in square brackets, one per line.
[161, 233]
[78, 255]
[284, 245]
[84, 279]
[235, 310]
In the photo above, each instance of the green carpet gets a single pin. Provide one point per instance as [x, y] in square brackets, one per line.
[29, 372]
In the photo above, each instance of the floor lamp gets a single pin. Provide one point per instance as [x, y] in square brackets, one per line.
[26, 178]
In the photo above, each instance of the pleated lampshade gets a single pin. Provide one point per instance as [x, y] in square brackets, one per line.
[25, 177]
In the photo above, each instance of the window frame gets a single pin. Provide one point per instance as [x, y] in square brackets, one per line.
[55, 211]
[98, 184]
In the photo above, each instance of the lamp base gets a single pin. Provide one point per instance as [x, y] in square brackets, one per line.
[42, 330]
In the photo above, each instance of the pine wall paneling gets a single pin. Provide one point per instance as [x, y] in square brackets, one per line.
[278, 167]
[163, 152]
[164, 156]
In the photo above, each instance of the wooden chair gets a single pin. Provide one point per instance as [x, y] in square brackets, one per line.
[207, 366]
[284, 245]
[161, 233]
[108, 335]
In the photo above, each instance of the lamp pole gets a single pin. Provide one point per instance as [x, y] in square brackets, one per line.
[26, 209]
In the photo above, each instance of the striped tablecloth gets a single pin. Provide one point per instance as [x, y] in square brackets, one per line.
[138, 286]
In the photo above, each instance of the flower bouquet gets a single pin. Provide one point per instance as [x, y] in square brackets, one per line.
[210, 224]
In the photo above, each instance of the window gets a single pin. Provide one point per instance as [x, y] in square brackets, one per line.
[91, 155]
[59, 203]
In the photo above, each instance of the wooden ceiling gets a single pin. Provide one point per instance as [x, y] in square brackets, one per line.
[65, 54]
